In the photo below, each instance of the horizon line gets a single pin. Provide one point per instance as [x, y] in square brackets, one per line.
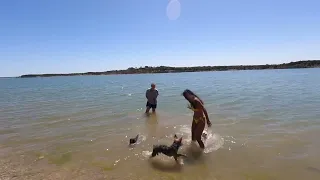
[157, 66]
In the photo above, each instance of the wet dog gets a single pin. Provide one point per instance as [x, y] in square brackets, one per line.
[133, 140]
[171, 151]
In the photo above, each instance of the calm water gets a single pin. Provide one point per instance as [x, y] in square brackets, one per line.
[266, 125]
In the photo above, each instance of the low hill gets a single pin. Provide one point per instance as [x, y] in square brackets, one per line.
[167, 69]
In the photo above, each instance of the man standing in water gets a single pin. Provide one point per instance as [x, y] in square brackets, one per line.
[151, 95]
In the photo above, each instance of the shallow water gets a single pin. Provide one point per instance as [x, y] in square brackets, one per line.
[265, 126]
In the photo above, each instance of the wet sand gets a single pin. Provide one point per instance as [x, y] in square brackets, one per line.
[230, 154]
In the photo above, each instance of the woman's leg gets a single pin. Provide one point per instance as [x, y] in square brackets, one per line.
[198, 133]
[193, 129]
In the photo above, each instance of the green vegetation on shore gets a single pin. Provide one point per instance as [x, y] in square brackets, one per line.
[166, 69]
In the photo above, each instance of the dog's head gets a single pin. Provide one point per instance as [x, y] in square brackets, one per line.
[132, 141]
[177, 140]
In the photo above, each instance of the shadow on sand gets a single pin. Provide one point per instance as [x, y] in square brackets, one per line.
[166, 166]
[151, 118]
[151, 124]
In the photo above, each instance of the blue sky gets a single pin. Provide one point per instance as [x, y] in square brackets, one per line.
[61, 36]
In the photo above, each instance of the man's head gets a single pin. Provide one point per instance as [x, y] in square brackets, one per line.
[153, 86]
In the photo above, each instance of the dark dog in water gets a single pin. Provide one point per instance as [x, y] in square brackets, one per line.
[169, 150]
[134, 140]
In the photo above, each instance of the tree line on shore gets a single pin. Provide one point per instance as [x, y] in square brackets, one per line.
[167, 69]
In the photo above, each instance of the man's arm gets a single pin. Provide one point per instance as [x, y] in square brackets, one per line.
[147, 93]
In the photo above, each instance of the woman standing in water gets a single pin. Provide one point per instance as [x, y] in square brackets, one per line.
[200, 115]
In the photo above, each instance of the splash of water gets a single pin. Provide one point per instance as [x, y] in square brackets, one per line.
[146, 154]
[141, 138]
[213, 141]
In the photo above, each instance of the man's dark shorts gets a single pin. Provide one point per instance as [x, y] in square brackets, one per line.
[153, 106]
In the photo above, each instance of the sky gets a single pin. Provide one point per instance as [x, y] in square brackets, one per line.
[65, 36]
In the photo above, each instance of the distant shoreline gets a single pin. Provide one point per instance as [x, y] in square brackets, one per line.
[167, 69]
